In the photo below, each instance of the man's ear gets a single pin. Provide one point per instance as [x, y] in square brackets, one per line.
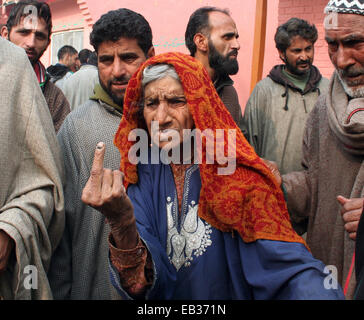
[66, 59]
[4, 32]
[201, 42]
[151, 52]
[282, 55]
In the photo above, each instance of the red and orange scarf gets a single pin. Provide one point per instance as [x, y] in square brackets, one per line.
[249, 201]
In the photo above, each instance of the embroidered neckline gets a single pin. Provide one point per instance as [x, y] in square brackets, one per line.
[179, 172]
[188, 235]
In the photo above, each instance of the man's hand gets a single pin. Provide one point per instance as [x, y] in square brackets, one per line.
[105, 192]
[351, 210]
[274, 169]
[6, 246]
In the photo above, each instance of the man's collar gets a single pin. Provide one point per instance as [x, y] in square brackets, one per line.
[277, 76]
[222, 81]
[41, 73]
[102, 95]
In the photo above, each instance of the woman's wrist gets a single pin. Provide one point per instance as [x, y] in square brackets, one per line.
[125, 236]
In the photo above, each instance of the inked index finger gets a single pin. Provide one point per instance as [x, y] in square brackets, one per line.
[97, 168]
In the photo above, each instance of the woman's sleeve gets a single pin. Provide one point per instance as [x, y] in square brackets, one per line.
[287, 271]
[161, 270]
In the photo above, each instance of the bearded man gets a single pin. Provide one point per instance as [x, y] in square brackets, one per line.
[278, 107]
[212, 38]
[329, 191]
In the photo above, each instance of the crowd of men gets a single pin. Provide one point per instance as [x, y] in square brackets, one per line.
[309, 130]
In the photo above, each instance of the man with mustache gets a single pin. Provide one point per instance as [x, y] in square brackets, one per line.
[29, 26]
[277, 109]
[329, 192]
[122, 40]
[212, 38]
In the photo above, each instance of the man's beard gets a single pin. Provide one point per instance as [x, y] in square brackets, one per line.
[223, 65]
[35, 58]
[354, 93]
[119, 100]
[293, 69]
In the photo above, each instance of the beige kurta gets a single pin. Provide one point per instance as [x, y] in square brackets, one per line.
[79, 87]
[31, 195]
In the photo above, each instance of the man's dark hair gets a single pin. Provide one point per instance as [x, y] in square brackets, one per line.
[122, 23]
[294, 27]
[66, 50]
[83, 55]
[199, 23]
[21, 10]
[92, 59]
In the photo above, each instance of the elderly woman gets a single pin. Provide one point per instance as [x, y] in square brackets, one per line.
[189, 230]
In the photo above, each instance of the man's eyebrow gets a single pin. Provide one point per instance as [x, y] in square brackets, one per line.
[353, 37]
[231, 34]
[105, 56]
[128, 55]
[349, 38]
[23, 30]
[38, 33]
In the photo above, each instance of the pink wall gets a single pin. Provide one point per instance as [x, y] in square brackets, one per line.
[271, 57]
[66, 16]
[168, 19]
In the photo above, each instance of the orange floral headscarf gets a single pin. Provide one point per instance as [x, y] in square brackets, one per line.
[249, 200]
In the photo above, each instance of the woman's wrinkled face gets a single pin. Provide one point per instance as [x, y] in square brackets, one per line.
[166, 112]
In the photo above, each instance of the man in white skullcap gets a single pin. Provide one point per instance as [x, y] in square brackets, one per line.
[328, 194]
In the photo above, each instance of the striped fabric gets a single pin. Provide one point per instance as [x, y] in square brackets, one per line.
[40, 71]
[345, 6]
